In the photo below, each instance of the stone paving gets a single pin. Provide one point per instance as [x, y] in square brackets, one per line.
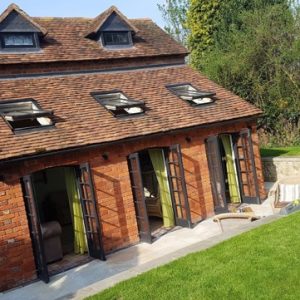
[95, 276]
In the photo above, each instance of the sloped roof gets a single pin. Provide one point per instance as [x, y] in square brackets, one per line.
[82, 121]
[66, 40]
[100, 20]
[18, 10]
[70, 44]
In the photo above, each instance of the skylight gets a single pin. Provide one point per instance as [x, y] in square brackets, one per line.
[192, 95]
[120, 105]
[25, 114]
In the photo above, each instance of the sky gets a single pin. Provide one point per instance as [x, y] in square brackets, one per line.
[88, 8]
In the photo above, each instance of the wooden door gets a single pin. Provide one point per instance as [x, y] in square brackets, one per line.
[90, 212]
[178, 187]
[243, 149]
[216, 172]
[139, 197]
[35, 229]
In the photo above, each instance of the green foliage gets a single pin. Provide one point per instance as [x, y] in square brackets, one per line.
[174, 13]
[202, 20]
[253, 49]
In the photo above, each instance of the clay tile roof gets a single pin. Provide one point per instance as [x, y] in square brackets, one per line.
[16, 8]
[70, 44]
[82, 121]
[99, 21]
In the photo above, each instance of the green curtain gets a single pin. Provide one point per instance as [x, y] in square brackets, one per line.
[158, 162]
[231, 171]
[80, 243]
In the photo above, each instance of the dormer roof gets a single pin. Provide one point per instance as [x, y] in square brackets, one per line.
[14, 17]
[65, 39]
[104, 17]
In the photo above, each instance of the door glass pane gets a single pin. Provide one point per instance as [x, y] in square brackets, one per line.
[35, 229]
[178, 187]
[216, 173]
[245, 158]
[90, 214]
[138, 196]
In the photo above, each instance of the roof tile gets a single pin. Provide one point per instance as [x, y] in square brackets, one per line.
[82, 121]
[70, 44]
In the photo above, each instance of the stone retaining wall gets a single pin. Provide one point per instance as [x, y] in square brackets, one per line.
[275, 168]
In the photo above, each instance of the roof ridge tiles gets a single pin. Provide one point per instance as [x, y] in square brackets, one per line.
[100, 19]
[14, 7]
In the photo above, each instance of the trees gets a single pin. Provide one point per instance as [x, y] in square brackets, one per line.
[253, 49]
[174, 13]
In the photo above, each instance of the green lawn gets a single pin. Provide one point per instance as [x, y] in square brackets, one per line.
[261, 264]
[280, 151]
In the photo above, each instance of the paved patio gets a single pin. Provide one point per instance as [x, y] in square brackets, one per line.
[97, 275]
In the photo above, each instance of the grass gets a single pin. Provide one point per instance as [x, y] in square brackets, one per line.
[280, 151]
[261, 264]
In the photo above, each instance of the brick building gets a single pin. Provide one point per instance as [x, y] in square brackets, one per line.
[109, 139]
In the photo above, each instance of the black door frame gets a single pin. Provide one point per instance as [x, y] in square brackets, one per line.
[235, 137]
[35, 228]
[138, 195]
[212, 145]
[246, 133]
[137, 187]
[90, 213]
[182, 212]
[34, 221]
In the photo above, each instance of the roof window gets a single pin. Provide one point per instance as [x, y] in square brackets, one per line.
[192, 95]
[18, 40]
[120, 105]
[25, 114]
[116, 38]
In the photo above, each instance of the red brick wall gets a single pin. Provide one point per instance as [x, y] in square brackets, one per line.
[16, 260]
[113, 193]
[68, 66]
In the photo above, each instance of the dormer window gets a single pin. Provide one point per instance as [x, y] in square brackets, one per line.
[19, 32]
[18, 40]
[192, 95]
[120, 105]
[112, 30]
[25, 114]
[116, 38]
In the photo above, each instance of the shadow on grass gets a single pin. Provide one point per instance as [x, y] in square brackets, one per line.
[273, 152]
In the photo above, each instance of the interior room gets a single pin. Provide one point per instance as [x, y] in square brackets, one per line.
[229, 169]
[59, 209]
[157, 192]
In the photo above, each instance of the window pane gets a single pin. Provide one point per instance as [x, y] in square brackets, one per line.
[118, 104]
[192, 95]
[18, 40]
[25, 115]
[116, 38]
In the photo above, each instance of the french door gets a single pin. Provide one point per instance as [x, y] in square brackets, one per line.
[90, 212]
[35, 229]
[217, 179]
[177, 189]
[90, 216]
[243, 149]
[139, 197]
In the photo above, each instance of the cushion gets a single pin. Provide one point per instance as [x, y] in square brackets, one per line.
[289, 192]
